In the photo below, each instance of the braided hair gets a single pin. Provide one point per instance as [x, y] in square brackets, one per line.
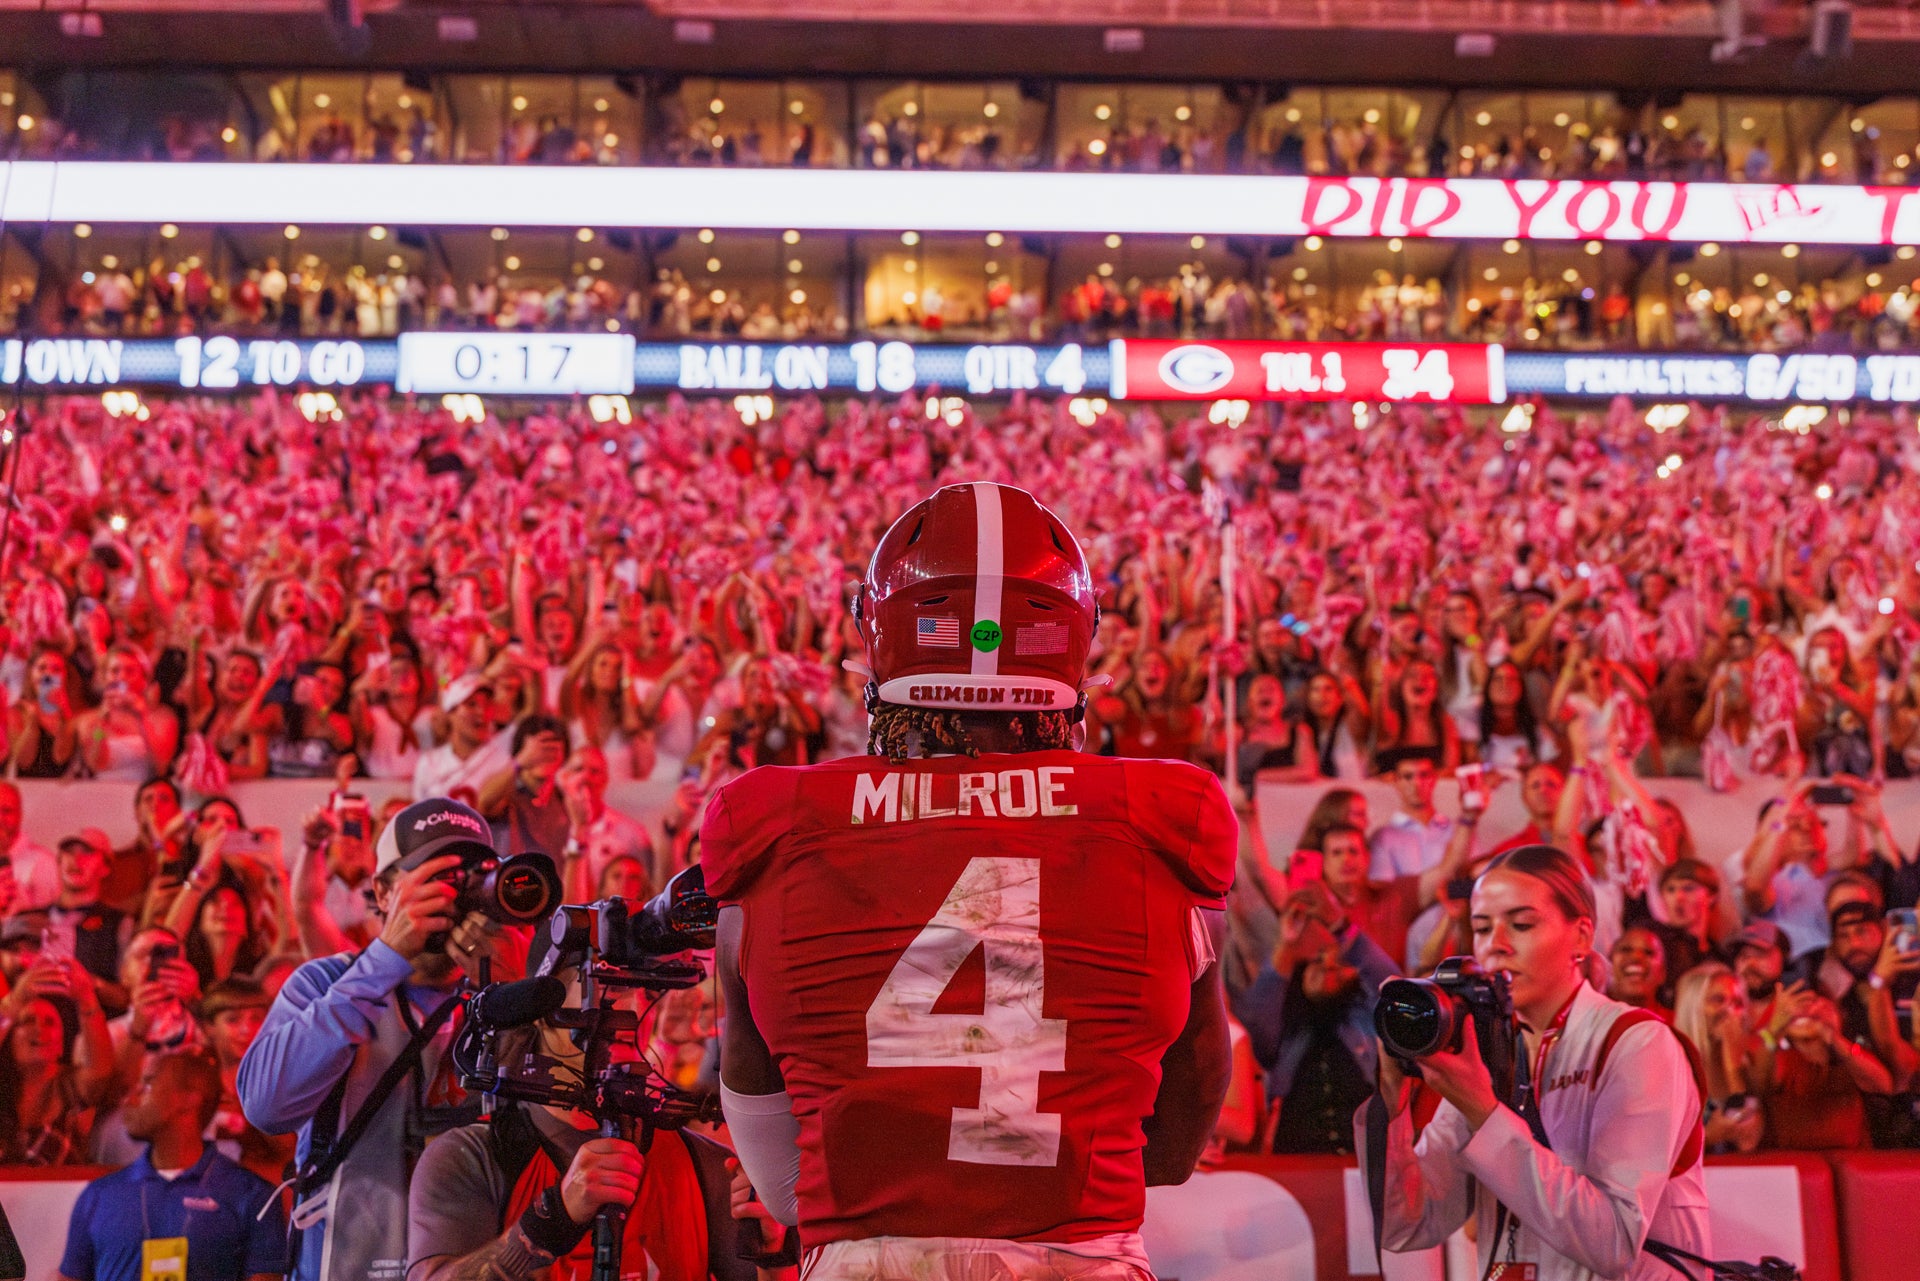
[899, 732]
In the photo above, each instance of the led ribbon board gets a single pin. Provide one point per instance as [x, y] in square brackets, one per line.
[1131, 369]
[105, 192]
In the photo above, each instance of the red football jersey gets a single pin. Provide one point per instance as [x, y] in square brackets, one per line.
[968, 971]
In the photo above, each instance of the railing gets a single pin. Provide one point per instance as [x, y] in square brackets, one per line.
[1437, 15]
[1516, 17]
[191, 6]
[1840, 1216]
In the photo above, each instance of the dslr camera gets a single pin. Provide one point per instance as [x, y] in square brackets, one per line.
[1419, 1017]
[517, 890]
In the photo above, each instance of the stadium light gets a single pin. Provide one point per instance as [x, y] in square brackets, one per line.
[320, 406]
[123, 404]
[610, 409]
[1665, 418]
[1230, 412]
[464, 408]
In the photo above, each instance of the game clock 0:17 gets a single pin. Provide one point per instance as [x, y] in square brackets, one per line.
[516, 364]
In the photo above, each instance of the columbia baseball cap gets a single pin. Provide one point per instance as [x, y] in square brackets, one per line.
[427, 829]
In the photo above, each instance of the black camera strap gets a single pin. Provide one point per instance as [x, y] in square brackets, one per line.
[1376, 1169]
[1770, 1268]
[326, 1154]
[1375, 1161]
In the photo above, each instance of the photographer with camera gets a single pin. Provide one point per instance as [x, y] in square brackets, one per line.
[1579, 1148]
[353, 1052]
[517, 1194]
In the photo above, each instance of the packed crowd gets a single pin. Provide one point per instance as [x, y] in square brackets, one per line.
[1626, 144]
[308, 297]
[521, 613]
[312, 298]
[1670, 152]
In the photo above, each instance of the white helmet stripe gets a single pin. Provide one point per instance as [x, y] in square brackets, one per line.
[990, 565]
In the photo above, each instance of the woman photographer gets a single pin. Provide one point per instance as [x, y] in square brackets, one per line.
[1619, 1105]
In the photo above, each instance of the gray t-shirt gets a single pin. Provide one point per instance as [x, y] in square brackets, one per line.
[459, 1196]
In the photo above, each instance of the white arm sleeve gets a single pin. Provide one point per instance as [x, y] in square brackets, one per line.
[766, 1138]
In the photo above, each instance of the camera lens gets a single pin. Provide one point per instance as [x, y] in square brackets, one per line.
[1413, 1017]
[522, 892]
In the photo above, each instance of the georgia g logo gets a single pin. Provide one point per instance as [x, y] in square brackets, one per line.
[1196, 369]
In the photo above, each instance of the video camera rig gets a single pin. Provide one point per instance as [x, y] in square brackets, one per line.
[613, 947]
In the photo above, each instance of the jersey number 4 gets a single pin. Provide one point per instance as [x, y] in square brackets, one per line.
[996, 905]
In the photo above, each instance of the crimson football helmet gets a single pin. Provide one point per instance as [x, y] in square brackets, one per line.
[978, 598]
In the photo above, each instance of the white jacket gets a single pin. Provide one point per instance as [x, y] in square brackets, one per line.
[1607, 1185]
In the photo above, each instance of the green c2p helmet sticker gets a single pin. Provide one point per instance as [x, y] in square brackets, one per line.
[986, 636]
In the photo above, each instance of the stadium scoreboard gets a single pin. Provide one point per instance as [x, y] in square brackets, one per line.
[1162, 369]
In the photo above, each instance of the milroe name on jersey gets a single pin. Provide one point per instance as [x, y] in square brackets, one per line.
[902, 796]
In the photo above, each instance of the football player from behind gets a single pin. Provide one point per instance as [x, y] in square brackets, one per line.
[972, 1005]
